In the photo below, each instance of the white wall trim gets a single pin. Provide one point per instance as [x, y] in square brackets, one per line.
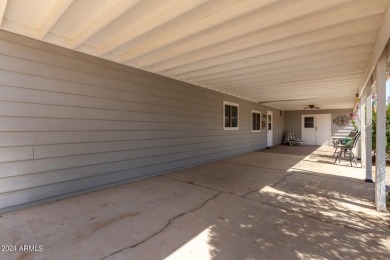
[269, 112]
[238, 115]
[261, 120]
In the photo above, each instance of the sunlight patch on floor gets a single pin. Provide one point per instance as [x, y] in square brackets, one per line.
[198, 247]
[270, 189]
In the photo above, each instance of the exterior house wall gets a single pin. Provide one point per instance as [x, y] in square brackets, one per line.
[72, 123]
[293, 121]
[280, 131]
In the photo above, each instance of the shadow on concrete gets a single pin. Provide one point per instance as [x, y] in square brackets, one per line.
[303, 150]
[261, 205]
[304, 214]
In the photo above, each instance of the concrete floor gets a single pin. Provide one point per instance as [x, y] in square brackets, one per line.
[282, 203]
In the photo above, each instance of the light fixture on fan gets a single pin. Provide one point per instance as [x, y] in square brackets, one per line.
[311, 107]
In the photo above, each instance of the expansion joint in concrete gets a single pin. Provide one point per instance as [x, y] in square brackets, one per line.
[258, 167]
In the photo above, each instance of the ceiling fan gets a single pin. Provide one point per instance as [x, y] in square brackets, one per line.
[311, 107]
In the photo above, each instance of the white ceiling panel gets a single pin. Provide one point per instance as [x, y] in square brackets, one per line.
[29, 13]
[273, 51]
[76, 17]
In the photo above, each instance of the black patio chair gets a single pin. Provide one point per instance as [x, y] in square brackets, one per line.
[342, 141]
[346, 149]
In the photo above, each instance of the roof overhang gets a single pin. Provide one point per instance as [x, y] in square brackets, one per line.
[287, 54]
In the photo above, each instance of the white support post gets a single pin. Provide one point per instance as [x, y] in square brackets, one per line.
[368, 139]
[380, 160]
[362, 113]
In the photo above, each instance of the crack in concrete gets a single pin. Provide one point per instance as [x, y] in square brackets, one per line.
[272, 185]
[164, 227]
[283, 179]
[249, 192]
[271, 205]
[192, 183]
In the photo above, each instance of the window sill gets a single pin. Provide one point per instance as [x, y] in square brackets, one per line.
[230, 128]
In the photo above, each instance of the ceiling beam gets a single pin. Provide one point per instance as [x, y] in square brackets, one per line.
[132, 32]
[293, 17]
[379, 47]
[212, 17]
[286, 73]
[250, 86]
[3, 6]
[55, 14]
[293, 77]
[274, 81]
[104, 19]
[260, 45]
[259, 97]
[259, 64]
[360, 59]
[299, 94]
[348, 87]
[305, 93]
[313, 73]
[301, 51]
[324, 106]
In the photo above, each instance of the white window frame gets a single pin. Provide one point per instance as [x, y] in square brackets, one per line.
[238, 116]
[261, 119]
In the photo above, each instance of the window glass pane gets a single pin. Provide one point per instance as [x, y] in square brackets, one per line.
[256, 121]
[234, 116]
[309, 122]
[269, 126]
[231, 116]
[227, 116]
[309, 119]
[269, 118]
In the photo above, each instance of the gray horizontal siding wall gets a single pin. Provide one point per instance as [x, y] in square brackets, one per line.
[293, 120]
[72, 123]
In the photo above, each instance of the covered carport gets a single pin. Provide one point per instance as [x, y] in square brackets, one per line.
[282, 203]
[95, 95]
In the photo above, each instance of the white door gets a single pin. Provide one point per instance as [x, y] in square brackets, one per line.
[316, 129]
[308, 129]
[269, 128]
[322, 129]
